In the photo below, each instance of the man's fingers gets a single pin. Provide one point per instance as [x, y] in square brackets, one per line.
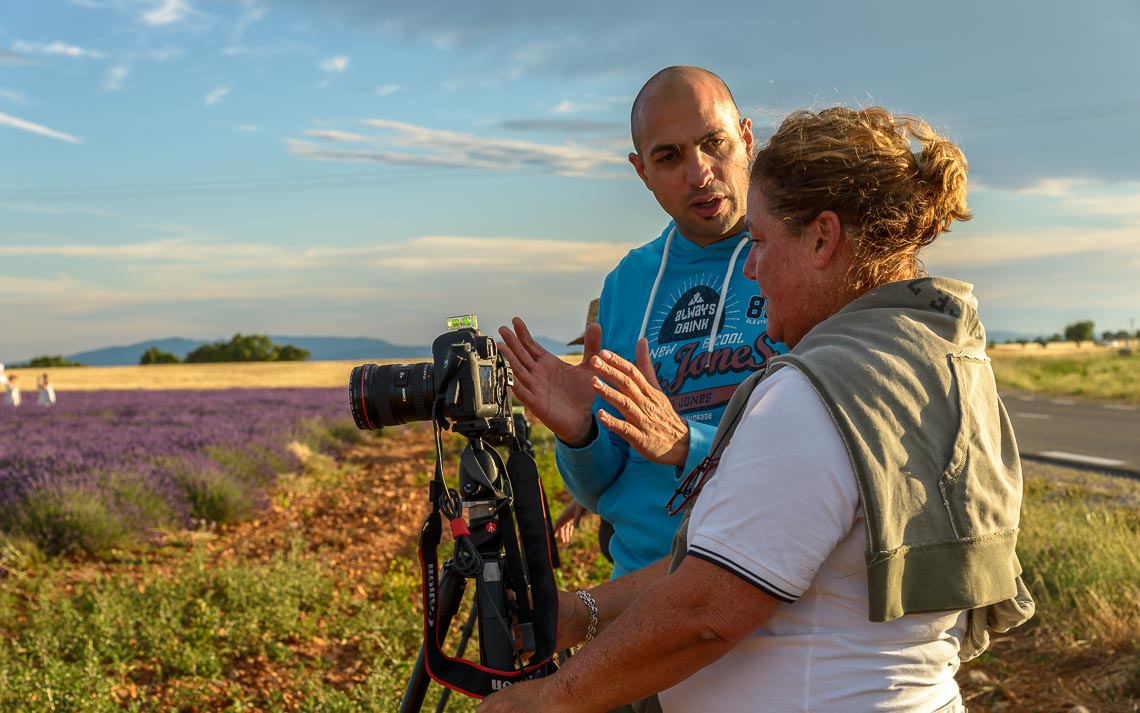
[528, 342]
[592, 342]
[517, 354]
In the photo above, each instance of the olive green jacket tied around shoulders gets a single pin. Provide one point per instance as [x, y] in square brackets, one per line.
[903, 372]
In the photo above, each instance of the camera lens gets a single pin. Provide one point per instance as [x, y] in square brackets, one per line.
[390, 394]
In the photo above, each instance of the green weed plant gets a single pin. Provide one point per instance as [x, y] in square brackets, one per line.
[1102, 375]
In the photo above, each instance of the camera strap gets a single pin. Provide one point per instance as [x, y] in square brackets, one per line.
[468, 677]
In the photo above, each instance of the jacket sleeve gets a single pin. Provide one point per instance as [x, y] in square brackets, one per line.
[590, 470]
[700, 440]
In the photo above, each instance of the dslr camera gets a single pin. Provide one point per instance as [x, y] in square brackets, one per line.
[466, 384]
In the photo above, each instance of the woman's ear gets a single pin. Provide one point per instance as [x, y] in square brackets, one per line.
[828, 234]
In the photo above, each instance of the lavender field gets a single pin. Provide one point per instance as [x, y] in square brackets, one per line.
[103, 469]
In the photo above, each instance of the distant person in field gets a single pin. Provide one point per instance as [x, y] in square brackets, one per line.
[3, 377]
[47, 391]
[12, 393]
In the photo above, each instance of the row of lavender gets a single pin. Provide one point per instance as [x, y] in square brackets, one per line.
[102, 468]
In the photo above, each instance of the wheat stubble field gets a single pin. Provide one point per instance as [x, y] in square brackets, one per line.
[294, 374]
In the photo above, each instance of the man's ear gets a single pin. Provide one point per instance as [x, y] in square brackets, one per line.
[746, 134]
[639, 166]
[827, 232]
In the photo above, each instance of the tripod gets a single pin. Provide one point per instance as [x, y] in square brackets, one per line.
[488, 551]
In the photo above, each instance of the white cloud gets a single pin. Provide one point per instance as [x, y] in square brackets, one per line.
[250, 128]
[335, 135]
[423, 254]
[253, 15]
[61, 49]
[1055, 187]
[217, 94]
[165, 54]
[1114, 208]
[24, 125]
[167, 250]
[7, 57]
[994, 248]
[567, 106]
[116, 77]
[182, 272]
[385, 90]
[16, 97]
[1082, 197]
[507, 255]
[64, 295]
[168, 12]
[334, 65]
[400, 143]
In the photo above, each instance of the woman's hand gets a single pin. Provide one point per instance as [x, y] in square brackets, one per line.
[651, 426]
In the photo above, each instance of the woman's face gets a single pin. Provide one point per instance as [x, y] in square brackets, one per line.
[781, 263]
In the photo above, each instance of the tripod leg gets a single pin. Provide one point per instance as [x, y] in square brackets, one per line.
[451, 588]
[460, 648]
[417, 686]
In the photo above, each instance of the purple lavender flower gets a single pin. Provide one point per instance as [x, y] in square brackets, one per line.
[101, 466]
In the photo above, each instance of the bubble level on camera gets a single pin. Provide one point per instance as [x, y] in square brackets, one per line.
[463, 321]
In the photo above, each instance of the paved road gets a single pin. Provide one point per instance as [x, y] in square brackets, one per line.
[1078, 433]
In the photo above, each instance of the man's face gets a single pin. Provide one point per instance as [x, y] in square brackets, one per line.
[694, 157]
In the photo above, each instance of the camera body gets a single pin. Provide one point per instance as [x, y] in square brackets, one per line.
[467, 385]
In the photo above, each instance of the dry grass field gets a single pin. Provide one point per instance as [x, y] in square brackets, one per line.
[192, 376]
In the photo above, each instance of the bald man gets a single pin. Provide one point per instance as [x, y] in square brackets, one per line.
[680, 306]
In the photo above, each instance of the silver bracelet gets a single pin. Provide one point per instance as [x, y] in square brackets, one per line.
[592, 627]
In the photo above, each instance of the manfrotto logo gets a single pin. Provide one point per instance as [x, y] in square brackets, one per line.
[429, 577]
[692, 316]
[498, 684]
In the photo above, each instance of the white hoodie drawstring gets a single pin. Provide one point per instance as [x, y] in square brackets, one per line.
[723, 292]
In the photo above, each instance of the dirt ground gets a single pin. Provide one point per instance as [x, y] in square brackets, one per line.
[375, 512]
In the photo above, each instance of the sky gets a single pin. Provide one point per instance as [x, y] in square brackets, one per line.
[200, 168]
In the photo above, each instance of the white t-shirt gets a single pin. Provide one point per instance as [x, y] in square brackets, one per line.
[783, 512]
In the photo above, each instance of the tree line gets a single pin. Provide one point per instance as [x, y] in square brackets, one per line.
[1082, 331]
[243, 347]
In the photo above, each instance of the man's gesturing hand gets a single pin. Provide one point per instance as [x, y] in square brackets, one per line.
[651, 426]
[558, 394]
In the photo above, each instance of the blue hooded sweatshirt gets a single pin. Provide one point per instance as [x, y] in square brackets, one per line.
[606, 475]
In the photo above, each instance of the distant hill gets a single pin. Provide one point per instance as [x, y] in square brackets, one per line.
[131, 353]
[1002, 336]
[320, 349]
